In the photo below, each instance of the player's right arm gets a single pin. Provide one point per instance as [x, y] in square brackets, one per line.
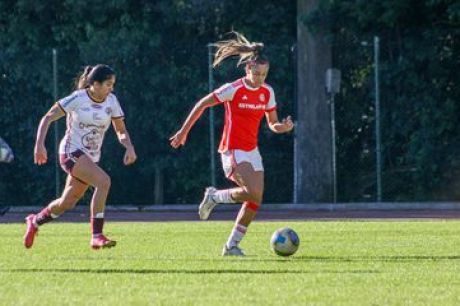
[40, 154]
[180, 137]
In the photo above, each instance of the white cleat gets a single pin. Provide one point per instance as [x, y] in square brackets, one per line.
[208, 203]
[233, 251]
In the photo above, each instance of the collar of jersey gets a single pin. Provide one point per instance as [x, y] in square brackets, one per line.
[92, 99]
[249, 87]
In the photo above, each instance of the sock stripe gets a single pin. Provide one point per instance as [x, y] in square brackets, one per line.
[236, 235]
[252, 205]
[241, 228]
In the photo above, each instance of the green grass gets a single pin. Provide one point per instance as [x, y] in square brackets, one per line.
[338, 263]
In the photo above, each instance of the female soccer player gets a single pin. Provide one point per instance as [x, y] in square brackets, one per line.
[246, 101]
[89, 111]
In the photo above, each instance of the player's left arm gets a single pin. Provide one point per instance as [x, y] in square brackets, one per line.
[123, 137]
[286, 125]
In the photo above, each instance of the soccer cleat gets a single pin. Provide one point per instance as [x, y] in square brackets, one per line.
[102, 242]
[233, 251]
[208, 203]
[31, 232]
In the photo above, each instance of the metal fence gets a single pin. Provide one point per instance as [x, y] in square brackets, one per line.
[371, 162]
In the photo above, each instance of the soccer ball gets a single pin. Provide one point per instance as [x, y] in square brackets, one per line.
[285, 241]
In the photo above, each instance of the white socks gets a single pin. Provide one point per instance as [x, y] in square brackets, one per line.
[223, 196]
[236, 236]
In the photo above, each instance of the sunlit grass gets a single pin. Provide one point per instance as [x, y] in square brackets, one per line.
[347, 263]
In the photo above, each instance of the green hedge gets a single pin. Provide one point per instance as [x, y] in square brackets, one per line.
[420, 74]
[159, 51]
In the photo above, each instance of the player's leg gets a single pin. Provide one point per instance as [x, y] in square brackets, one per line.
[73, 192]
[86, 170]
[230, 161]
[74, 189]
[251, 183]
[213, 197]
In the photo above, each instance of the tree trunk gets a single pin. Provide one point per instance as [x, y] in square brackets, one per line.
[313, 161]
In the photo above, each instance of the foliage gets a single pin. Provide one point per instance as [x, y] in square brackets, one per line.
[419, 73]
[159, 51]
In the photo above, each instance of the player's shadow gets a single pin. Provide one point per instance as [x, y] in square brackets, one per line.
[184, 271]
[302, 258]
[395, 258]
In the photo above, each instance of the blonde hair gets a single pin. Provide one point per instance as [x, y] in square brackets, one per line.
[249, 52]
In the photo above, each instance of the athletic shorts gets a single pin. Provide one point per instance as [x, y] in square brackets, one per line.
[68, 161]
[231, 158]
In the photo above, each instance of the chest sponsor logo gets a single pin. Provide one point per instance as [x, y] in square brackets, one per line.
[82, 126]
[92, 140]
[251, 106]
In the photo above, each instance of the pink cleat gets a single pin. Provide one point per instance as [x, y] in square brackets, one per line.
[102, 242]
[31, 231]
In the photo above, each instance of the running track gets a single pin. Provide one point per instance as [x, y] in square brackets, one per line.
[162, 216]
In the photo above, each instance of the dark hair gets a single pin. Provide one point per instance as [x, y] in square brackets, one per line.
[98, 73]
[249, 52]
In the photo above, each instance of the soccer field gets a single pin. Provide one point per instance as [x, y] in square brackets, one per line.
[177, 263]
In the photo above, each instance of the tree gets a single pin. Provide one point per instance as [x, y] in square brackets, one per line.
[313, 131]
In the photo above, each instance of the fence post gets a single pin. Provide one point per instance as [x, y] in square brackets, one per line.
[57, 177]
[158, 187]
[211, 120]
[378, 149]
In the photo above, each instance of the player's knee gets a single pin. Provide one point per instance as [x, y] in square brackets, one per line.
[254, 194]
[258, 197]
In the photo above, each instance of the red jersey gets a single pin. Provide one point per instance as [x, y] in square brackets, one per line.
[244, 108]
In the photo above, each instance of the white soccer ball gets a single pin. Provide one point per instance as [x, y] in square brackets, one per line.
[285, 241]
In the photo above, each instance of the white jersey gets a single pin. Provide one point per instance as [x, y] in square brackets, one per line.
[87, 122]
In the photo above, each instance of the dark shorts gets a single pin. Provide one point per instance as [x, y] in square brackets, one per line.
[68, 161]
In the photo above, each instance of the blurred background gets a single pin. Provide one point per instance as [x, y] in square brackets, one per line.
[396, 136]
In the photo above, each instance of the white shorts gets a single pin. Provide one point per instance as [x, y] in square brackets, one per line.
[231, 158]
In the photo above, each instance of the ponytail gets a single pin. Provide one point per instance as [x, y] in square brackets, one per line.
[91, 74]
[82, 80]
[248, 52]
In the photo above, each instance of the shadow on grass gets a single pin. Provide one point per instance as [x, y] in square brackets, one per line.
[359, 258]
[183, 271]
[293, 259]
